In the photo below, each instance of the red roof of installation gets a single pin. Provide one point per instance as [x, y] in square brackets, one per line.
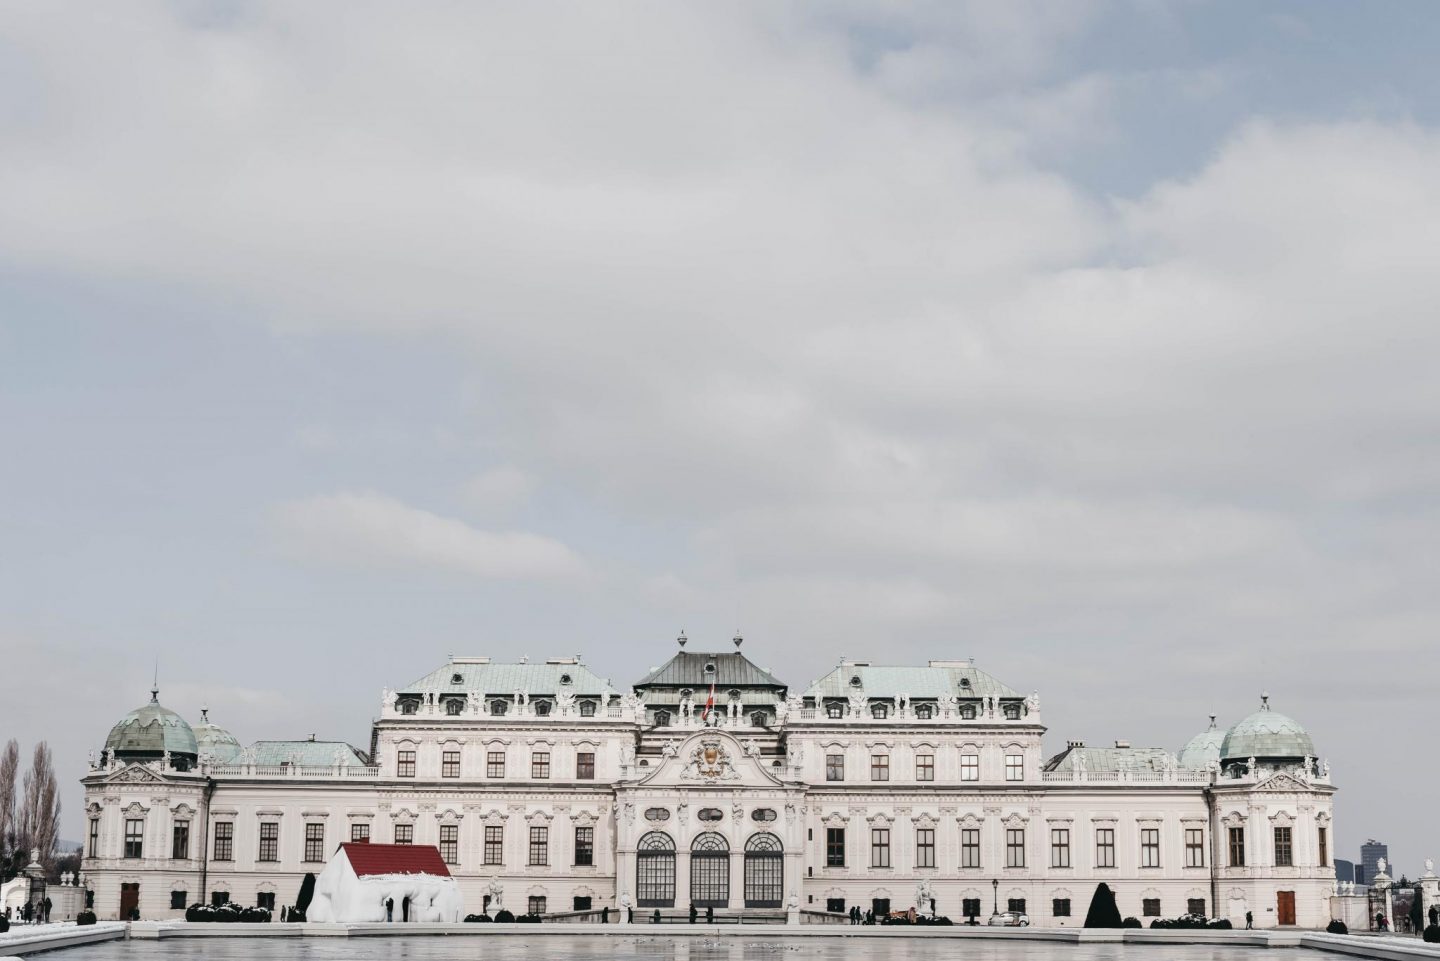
[395, 859]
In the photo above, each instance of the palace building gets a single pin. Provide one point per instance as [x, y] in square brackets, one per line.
[547, 790]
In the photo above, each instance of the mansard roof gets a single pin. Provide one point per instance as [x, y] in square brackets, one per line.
[687, 669]
[940, 678]
[479, 674]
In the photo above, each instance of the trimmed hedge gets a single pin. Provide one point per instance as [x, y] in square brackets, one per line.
[504, 917]
[478, 918]
[227, 913]
[1131, 922]
[1103, 913]
[1432, 934]
[85, 917]
[1191, 922]
[1337, 926]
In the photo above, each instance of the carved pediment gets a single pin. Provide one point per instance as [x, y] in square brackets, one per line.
[1281, 783]
[134, 774]
[711, 757]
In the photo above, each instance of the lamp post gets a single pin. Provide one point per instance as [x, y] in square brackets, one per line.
[996, 884]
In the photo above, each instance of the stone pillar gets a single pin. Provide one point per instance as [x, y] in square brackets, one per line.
[1382, 884]
[1429, 890]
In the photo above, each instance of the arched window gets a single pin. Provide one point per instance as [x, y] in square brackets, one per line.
[758, 719]
[710, 871]
[499, 707]
[1012, 712]
[454, 706]
[879, 711]
[967, 711]
[542, 708]
[655, 871]
[835, 709]
[924, 711]
[662, 718]
[409, 707]
[587, 708]
[764, 871]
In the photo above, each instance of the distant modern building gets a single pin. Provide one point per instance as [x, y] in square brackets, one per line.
[1345, 872]
[711, 783]
[1370, 854]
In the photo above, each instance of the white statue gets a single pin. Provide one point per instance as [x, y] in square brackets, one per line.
[627, 755]
[948, 703]
[497, 894]
[924, 898]
[857, 703]
[1380, 866]
[1429, 866]
[565, 701]
[165, 760]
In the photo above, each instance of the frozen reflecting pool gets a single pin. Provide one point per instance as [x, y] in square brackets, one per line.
[605, 948]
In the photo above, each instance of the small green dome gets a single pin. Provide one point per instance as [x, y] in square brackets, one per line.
[147, 732]
[1203, 749]
[214, 740]
[1266, 734]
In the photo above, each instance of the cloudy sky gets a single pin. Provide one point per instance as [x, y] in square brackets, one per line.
[1096, 341]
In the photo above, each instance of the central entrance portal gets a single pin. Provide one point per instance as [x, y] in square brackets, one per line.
[710, 871]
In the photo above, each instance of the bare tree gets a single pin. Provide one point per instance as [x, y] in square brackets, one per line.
[9, 767]
[40, 806]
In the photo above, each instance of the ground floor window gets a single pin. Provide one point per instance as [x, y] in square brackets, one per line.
[178, 899]
[218, 898]
[970, 908]
[835, 905]
[1150, 907]
[1060, 907]
[582, 903]
[881, 907]
[535, 905]
[1015, 904]
[655, 871]
[266, 900]
[1195, 906]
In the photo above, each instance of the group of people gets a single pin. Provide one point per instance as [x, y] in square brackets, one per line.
[861, 917]
[31, 912]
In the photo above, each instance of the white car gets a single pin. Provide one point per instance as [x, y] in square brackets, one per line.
[1009, 919]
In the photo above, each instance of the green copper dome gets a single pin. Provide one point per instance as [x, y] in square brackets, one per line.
[1203, 748]
[147, 732]
[1266, 734]
[214, 740]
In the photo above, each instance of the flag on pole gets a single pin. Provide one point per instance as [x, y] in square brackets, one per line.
[709, 704]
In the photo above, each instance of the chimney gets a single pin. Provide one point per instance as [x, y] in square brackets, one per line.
[1122, 745]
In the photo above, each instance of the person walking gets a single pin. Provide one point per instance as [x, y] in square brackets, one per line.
[694, 913]
[389, 910]
[1249, 921]
[710, 914]
[47, 905]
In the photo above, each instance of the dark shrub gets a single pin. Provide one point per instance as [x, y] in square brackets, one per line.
[134, 914]
[477, 918]
[1131, 923]
[85, 917]
[528, 919]
[295, 915]
[504, 917]
[1337, 927]
[307, 893]
[1432, 934]
[1222, 924]
[4, 924]
[255, 915]
[1103, 913]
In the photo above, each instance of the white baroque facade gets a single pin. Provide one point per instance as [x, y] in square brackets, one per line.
[546, 789]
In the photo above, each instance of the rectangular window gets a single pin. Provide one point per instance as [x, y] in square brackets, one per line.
[360, 833]
[1059, 847]
[315, 842]
[969, 767]
[539, 846]
[970, 907]
[404, 763]
[94, 837]
[585, 766]
[180, 841]
[1060, 907]
[179, 900]
[1149, 847]
[1014, 767]
[1150, 907]
[1237, 847]
[1195, 906]
[1014, 847]
[1283, 855]
[1194, 848]
[580, 902]
[535, 905]
[924, 767]
[879, 767]
[495, 764]
[1104, 847]
[540, 764]
[924, 847]
[269, 841]
[1324, 849]
[834, 847]
[265, 899]
[969, 847]
[450, 843]
[224, 840]
[1016, 905]
[134, 838]
[450, 764]
[404, 834]
[584, 846]
[494, 844]
[834, 767]
[835, 905]
[218, 898]
[879, 847]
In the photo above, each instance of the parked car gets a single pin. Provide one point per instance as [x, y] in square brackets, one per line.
[1009, 919]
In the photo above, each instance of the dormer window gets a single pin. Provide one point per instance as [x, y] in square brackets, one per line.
[758, 719]
[457, 678]
[967, 712]
[499, 707]
[924, 712]
[855, 680]
[964, 682]
[542, 708]
[834, 710]
[880, 711]
[454, 706]
[710, 668]
[662, 718]
[1012, 712]
[587, 708]
[409, 706]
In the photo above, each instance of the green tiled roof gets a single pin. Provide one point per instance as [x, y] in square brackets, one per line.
[1203, 748]
[305, 753]
[151, 729]
[921, 682]
[687, 669]
[535, 679]
[1112, 759]
[1266, 734]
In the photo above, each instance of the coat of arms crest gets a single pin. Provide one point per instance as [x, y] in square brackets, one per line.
[711, 762]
